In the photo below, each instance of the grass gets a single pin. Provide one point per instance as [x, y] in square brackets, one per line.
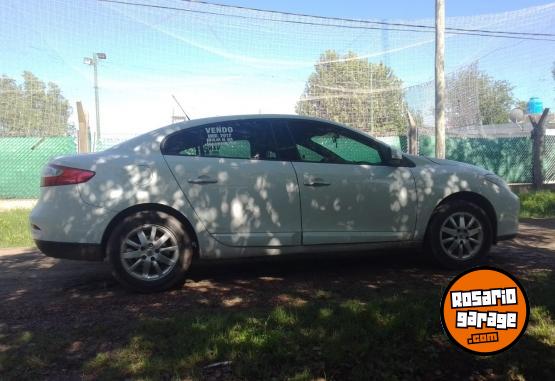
[388, 334]
[14, 228]
[537, 204]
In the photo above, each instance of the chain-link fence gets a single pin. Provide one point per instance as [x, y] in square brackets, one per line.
[165, 57]
[549, 158]
[22, 159]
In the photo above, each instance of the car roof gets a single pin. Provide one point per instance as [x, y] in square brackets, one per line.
[216, 119]
[201, 121]
[156, 136]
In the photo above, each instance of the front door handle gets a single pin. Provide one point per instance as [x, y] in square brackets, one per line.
[203, 179]
[317, 182]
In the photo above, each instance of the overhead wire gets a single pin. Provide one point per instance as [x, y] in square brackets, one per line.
[380, 25]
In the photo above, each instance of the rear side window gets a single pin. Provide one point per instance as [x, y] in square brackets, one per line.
[241, 139]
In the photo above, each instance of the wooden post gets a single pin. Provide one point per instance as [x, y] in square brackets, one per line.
[538, 138]
[83, 133]
[412, 135]
[440, 79]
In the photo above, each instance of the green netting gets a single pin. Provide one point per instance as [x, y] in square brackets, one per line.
[510, 158]
[22, 159]
[399, 142]
[549, 159]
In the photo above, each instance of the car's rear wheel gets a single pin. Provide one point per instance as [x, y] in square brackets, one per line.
[459, 234]
[149, 251]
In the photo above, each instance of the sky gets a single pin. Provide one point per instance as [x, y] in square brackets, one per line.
[391, 9]
[218, 65]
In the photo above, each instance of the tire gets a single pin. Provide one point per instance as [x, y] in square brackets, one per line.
[456, 247]
[149, 251]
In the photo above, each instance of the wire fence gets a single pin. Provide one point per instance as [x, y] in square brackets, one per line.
[168, 57]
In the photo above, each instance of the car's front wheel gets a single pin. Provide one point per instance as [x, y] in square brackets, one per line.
[149, 251]
[459, 234]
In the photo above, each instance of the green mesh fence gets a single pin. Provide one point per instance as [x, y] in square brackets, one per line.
[510, 158]
[22, 159]
[549, 159]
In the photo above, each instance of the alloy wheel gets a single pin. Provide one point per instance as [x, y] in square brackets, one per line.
[149, 252]
[461, 236]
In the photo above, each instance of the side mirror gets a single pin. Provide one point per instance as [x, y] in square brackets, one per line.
[395, 156]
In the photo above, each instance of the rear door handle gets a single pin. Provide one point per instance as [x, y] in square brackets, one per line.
[203, 179]
[317, 182]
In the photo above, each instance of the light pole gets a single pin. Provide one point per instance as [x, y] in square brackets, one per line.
[94, 63]
[440, 79]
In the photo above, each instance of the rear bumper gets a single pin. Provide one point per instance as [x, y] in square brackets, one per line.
[70, 250]
[61, 216]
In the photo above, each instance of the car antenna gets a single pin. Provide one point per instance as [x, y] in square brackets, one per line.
[182, 109]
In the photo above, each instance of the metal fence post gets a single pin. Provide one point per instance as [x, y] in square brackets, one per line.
[83, 133]
[412, 135]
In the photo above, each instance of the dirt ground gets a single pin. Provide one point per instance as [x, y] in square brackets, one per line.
[38, 290]
[41, 293]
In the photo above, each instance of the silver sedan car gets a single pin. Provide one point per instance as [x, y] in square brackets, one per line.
[254, 185]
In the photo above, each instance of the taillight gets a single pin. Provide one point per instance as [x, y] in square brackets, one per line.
[54, 174]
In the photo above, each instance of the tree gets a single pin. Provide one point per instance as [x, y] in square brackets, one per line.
[353, 91]
[523, 105]
[32, 108]
[475, 98]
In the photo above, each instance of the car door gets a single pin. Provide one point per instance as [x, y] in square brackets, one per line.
[231, 174]
[349, 192]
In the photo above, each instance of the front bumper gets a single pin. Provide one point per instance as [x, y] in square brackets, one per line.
[70, 250]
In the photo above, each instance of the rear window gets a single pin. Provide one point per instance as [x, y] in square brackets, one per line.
[244, 139]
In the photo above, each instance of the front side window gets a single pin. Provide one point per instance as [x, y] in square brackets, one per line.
[323, 143]
[241, 139]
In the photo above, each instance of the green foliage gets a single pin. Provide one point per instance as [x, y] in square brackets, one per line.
[473, 97]
[14, 225]
[523, 105]
[353, 91]
[32, 108]
[537, 204]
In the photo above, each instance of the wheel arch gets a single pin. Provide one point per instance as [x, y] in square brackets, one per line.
[474, 198]
[151, 207]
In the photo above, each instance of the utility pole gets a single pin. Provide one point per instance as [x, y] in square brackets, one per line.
[440, 79]
[538, 143]
[94, 63]
[96, 103]
[371, 103]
